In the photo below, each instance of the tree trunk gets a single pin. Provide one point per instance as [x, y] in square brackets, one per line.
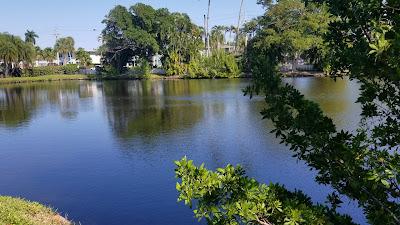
[208, 29]
[65, 60]
[294, 62]
[6, 69]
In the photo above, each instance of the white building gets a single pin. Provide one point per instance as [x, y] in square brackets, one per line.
[69, 58]
[96, 58]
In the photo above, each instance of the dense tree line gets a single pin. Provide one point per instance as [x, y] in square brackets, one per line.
[143, 31]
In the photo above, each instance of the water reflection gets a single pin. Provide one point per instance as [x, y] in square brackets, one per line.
[103, 151]
[147, 108]
[336, 98]
[20, 103]
[151, 108]
[16, 106]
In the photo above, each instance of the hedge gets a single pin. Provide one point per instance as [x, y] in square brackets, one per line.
[50, 70]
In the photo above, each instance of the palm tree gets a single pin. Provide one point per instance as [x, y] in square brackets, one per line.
[9, 54]
[231, 29]
[30, 37]
[217, 36]
[13, 51]
[48, 55]
[65, 46]
[38, 54]
[83, 57]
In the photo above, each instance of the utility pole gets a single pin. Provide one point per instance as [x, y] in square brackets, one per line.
[238, 27]
[205, 32]
[56, 34]
[208, 29]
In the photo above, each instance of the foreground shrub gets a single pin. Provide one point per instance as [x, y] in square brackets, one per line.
[228, 196]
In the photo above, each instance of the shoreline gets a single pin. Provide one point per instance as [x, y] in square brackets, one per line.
[18, 80]
[49, 78]
[304, 74]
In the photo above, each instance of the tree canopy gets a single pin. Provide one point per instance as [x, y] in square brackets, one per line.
[48, 54]
[30, 37]
[292, 30]
[364, 165]
[145, 31]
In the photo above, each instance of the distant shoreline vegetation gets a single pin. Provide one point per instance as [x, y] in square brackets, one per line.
[66, 77]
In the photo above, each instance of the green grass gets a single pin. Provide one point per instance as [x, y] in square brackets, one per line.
[9, 80]
[18, 211]
[15, 80]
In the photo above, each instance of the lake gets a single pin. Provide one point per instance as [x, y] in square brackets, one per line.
[103, 152]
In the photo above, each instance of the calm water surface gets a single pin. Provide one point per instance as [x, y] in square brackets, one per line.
[103, 152]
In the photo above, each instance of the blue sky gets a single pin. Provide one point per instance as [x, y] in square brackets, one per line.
[81, 19]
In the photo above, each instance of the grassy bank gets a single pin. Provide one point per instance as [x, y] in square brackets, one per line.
[19, 211]
[14, 80]
[10, 80]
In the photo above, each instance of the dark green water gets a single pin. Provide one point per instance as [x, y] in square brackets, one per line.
[103, 152]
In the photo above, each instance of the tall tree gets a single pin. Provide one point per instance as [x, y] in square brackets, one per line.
[30, 37]
[65, 46]
[145, 31]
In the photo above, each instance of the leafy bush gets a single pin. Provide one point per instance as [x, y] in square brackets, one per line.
[109, 70]
[219, 65]
[70, 69]
[43, 71]
[175, 66]
[50, 70]
[196, 69]
[222, 64]
[227, 196]
[144, 68]
[142, 71]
